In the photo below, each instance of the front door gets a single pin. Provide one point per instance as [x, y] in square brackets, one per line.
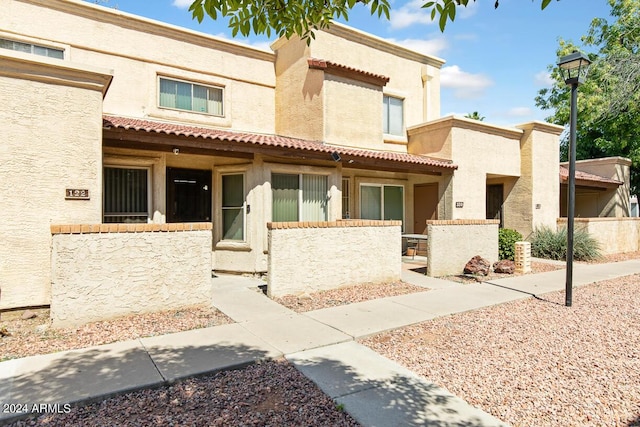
[495, 199]
[425, 206]
[188, 195]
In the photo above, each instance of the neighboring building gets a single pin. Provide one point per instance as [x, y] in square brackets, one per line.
[602, 188]
[154, 123]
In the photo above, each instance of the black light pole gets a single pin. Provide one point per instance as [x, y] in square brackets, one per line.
[574, 69]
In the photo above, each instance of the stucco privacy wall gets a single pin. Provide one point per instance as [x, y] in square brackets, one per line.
[40, 159]
[615, 235]
[452, 243]
[312, 256]
[108, 270]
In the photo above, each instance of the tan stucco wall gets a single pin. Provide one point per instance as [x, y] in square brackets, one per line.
[405, 68]
[316, 105]
[481, 151]
[523, 159]
[349, 121]
[106, 37]
[615, 235]
[452, 244]
[97, 276]
[308, 257]
[299, 95]
[533, 200]
[51, 141]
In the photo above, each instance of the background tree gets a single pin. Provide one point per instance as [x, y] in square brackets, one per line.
[475, 116]
[609, 100]
[302, 17]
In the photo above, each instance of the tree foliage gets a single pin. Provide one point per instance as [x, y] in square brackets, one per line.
[303, 17]
[282, 17]
[609, 100]
[445, 10]
[474, 116]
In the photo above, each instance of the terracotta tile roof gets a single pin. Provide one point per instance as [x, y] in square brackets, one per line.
[268, 140]
[588, 177]
[343, 70]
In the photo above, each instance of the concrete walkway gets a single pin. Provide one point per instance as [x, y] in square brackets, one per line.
[373, 389]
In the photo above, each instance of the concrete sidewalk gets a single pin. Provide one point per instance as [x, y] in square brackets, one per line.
[373, 389]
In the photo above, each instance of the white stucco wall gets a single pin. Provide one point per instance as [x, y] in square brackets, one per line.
[97, 276]
[308, 257]
[453, 243]
[50, 141]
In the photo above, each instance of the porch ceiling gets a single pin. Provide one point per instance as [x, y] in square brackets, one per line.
[164, 136]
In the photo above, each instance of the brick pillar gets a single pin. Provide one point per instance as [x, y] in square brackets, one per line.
[523, 257]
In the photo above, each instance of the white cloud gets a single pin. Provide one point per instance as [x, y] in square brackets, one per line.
[412, 12]
[469, 11]
[426, 47]
[543, 78]
[520, 112]
[465, 85]
[182, 4]
[408, 14]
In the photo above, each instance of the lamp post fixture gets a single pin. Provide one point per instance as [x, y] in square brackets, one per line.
[574, 68]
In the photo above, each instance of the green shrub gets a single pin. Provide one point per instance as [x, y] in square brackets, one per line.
[507, 243]
[550, 244]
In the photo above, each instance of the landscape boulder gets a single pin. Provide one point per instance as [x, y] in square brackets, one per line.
[504, 266]
[477, 266]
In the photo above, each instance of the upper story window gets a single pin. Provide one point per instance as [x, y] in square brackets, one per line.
[191, 97]
[392, 115]
[32, 48]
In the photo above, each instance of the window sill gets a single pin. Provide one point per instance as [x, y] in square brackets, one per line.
[394, 139]
[230, 245]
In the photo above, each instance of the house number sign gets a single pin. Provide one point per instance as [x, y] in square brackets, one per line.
[77, 194]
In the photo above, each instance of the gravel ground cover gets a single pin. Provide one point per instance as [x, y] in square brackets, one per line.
[346, 295]
[35, 336]
[536, 362]
[267, 394]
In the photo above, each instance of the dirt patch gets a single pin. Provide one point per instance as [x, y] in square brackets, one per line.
[35, 336]
[346, 295]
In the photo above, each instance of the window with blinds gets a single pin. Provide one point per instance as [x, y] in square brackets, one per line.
[346, 198]
[32, 48]
[299, 197]
[125, 195]
[392, 115]
[233, 212]
[182, 95]
[382, 202]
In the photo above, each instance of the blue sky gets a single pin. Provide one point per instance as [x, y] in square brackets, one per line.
[496, 59]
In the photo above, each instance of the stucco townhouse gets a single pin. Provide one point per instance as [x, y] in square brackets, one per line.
[111, 118]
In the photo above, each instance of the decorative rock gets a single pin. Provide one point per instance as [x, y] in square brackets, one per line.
[477, 266]
[29, 315]
[504, 266]
[41, 329]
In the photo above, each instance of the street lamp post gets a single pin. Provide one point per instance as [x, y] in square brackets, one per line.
[574, 68]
